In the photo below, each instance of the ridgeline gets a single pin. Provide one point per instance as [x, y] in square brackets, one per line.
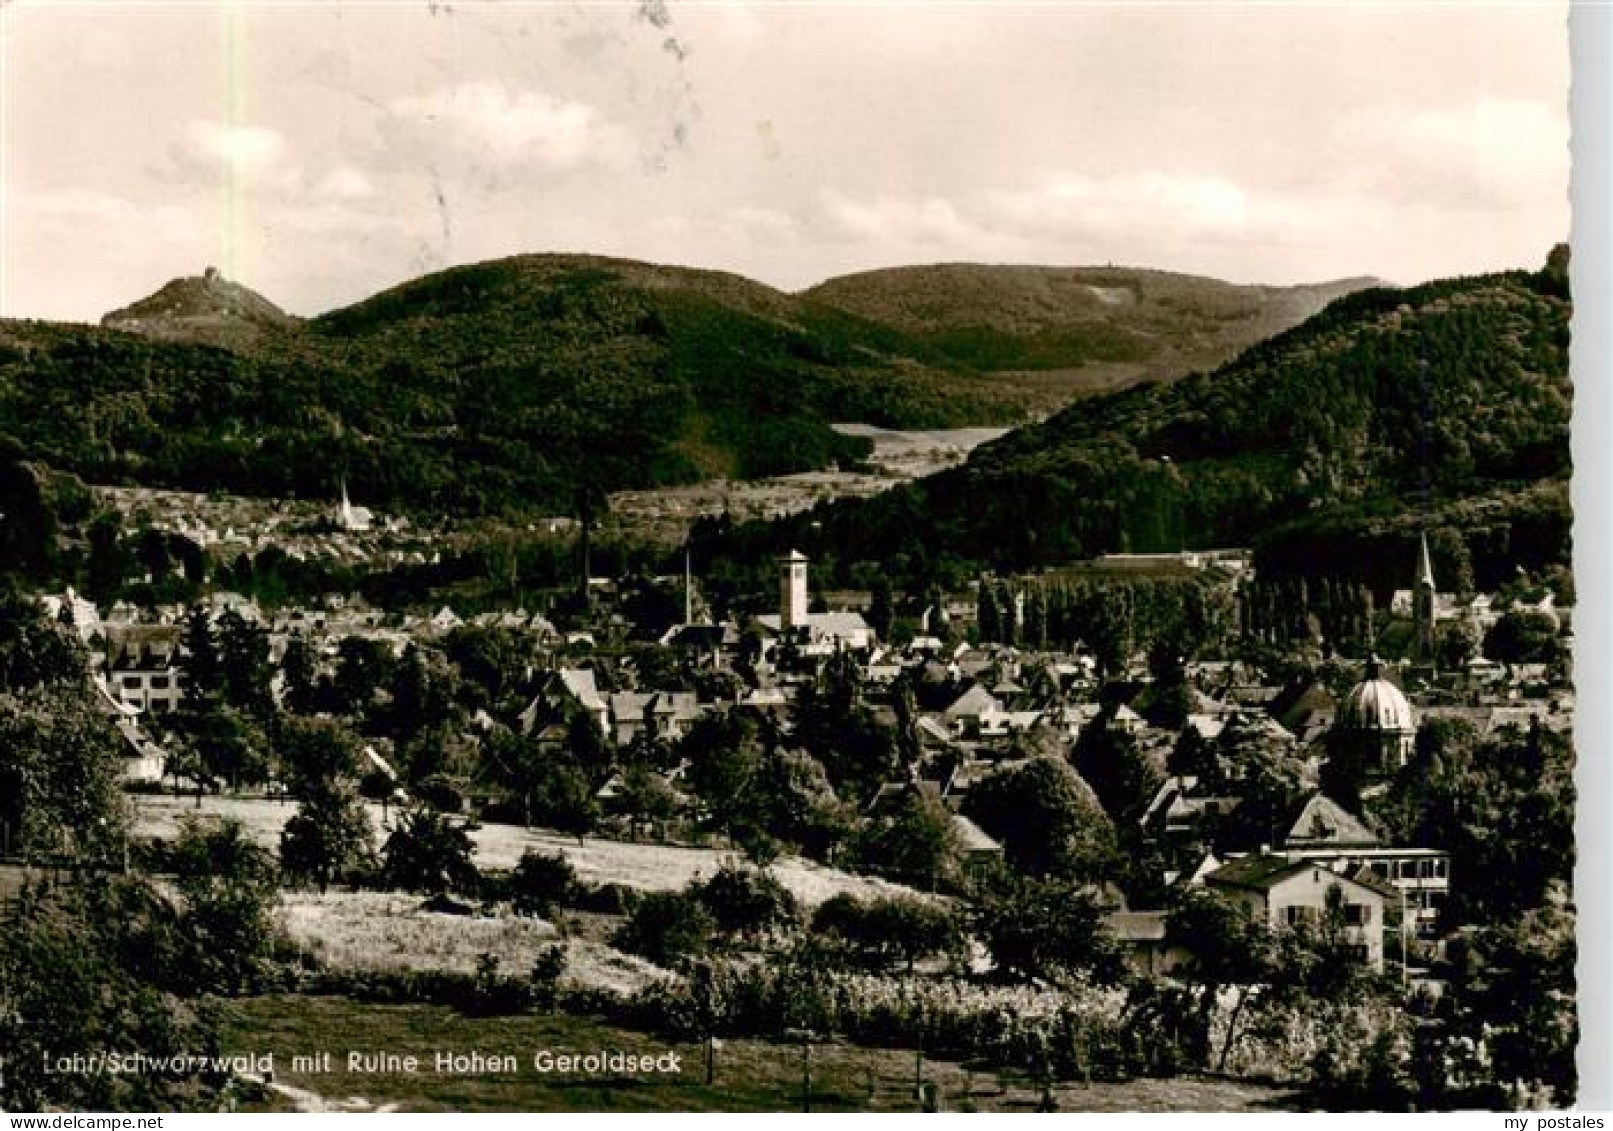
[539, 383]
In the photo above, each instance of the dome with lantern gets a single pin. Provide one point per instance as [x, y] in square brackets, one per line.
[1376, 704]
[1378, 713]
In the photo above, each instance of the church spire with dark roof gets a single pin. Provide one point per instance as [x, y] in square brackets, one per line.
[1422, 602]
[1425, 565]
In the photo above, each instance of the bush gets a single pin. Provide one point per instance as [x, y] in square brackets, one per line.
[541, 882]
[606, 899]
[1365, 1062]
[667, 928]
[1078, 1033]
[484, 993]
[547, 970]
[93, 963]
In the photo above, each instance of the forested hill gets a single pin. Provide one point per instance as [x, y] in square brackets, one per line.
[512, 385]
[208, 309]
[1443, 405]
[509, 385]
[1160, 324]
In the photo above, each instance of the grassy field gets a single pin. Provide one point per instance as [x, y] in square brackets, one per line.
[648, 867]
[750, 1075]
[358, 930]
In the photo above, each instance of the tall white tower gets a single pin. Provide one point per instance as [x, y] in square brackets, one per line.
[793, 589]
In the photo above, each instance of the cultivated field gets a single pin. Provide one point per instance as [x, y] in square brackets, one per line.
[751, 1075]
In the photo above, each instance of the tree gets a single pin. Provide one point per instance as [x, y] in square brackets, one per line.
[424, 687]
[1255, 759]
[647, 796]
[315, 753]
[1230, 949]
[363, 666]
[586, 744]
[547, 970]
[1515, 990]
[430, 852]
[1455, 643]
[60, 775]
[34, 651]
[1524, 636]
[93, 965]
[723, 752]
[491, 662]
[1238, 955]
[243, 653]
[1110, 759]
[217, 743]
[1503, 806]
[1041, 928]
[28, 520]
[328, 837]
[881, 606]
[380, 787]
[1048, 820]
[229, 883]
[442, 758]
[746, 902]
[563, 799]
[109, 559]
[152, 553]
[886, 933]
[204, 669]
[835, 726]
[918, 845]
[667, 928]
[299, 668]
[789, 797]
[541, 882]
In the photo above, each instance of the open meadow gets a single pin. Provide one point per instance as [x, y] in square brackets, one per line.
[382, 931]
[644, 866]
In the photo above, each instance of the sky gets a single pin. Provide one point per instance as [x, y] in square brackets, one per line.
[319, 153]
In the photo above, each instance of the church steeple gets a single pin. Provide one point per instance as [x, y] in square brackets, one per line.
[349, 517]
[1422, 603]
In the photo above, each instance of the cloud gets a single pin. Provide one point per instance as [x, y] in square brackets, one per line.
[897, 220]
[506, 131]
[252, 158]
[258, 165]
[1191, 206]
[251, 148]
[1493, 151]
[1069, 212]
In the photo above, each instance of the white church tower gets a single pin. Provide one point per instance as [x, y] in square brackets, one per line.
[350, 518]
[793, 590]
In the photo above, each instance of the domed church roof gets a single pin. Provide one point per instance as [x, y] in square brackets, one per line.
[1375, 704]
